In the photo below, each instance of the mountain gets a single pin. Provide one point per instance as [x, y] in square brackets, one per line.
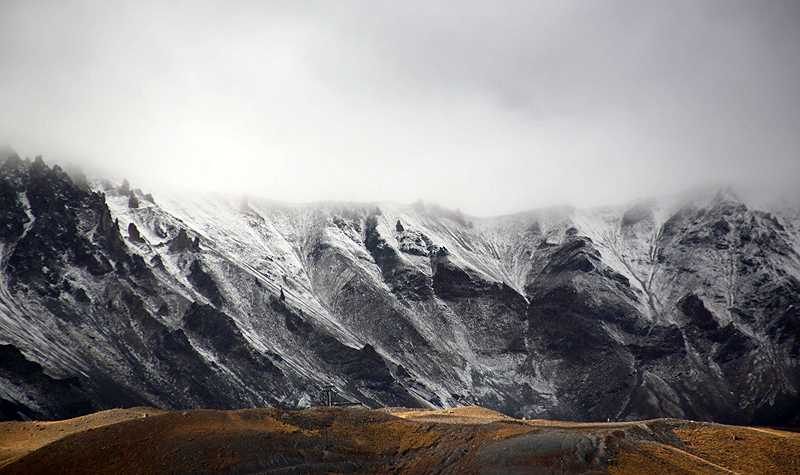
[684, 307]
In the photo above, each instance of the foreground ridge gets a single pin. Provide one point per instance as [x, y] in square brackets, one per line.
[398, 440]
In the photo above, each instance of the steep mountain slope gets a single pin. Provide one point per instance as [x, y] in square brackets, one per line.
[686, 308]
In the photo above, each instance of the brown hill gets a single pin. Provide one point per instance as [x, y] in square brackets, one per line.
[324, 440]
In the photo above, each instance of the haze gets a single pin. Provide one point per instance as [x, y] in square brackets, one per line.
[491, 107]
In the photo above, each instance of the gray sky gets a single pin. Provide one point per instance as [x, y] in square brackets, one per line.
[488, 106]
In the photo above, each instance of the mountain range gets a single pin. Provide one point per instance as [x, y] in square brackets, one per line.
[686, 306]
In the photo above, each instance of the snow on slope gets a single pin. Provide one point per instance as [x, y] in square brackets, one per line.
[416, 304]
[271, 243]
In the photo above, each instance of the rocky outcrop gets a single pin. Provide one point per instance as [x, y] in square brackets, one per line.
[404, 278]
[204, 283]
[133, 233]
[414, 242]
[182, 243]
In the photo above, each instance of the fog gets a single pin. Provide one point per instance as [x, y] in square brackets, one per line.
[491, 107]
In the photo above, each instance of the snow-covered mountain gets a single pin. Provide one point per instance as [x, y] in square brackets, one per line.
[686, 307]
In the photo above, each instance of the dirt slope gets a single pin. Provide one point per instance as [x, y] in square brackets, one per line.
[324, 440]
[20, 438]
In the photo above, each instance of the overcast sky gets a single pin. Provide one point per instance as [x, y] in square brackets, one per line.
[489, 106]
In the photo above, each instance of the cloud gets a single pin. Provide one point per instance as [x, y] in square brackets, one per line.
[491, 108]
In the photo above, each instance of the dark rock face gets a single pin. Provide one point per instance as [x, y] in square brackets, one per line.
[405, 280]
[28, 377]
[364, 367]
[697, 313]
[218, 333]
[12, 213]
[182, 242]
[204, 283]
[578, 308]
[133, 233]
[693, 315]
[452, 281]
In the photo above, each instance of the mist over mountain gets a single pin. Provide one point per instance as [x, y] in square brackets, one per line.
[111, 296]
[492, 109]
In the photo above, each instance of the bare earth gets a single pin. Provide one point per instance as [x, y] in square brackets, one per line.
[397, 440]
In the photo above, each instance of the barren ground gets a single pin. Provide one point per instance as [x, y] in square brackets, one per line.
[352, 440]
